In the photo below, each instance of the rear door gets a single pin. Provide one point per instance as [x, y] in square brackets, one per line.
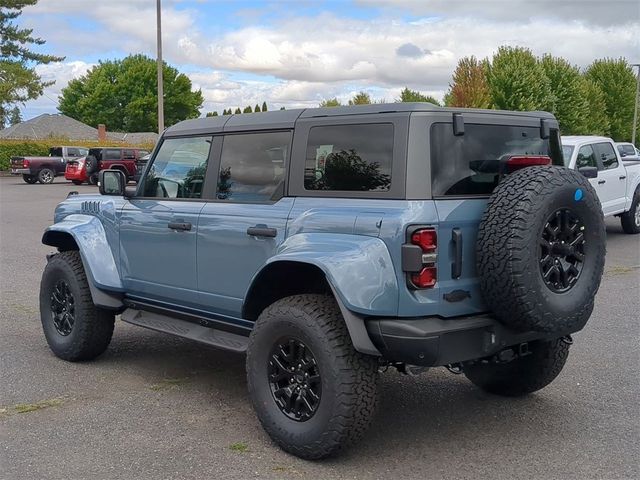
[247, 221]
[465, 169]
[611, 181]
[159, 227]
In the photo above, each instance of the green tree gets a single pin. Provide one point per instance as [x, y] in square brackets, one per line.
[14, 116]
[212, 114]
[264, 106]
[247, 109]
[469, 87]
[408, 95]
[237, 110]
[567, 86]
[517, 81]
[122, 94]
[361, 98]
[256, 108]
[330, 102]
[282, 108]
[618, 85]
[19, 81]
[596, 121]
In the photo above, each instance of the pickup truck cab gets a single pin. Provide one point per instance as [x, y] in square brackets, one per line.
[328, 243]
[617, 183]
[628, 152]
[45, 169]
[86, 169]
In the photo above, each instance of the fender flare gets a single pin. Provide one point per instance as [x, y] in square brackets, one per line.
[99, 265]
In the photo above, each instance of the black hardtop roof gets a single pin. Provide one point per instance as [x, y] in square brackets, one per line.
[284, 119]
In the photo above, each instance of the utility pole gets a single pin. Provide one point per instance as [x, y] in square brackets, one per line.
[160, 86]
[635, 110]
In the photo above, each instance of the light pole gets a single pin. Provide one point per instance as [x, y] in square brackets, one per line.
[160, 86]
[635, 110]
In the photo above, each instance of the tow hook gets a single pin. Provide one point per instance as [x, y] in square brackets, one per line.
[567, 339]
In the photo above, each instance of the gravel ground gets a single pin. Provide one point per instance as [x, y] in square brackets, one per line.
[159, 407]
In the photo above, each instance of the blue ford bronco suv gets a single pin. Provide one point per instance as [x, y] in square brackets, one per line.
[327, 243]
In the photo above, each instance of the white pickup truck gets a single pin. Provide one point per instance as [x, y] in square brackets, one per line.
[617, 184]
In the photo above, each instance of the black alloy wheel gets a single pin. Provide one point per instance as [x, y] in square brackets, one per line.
[562, 250]
[294, 378]
[63, 308]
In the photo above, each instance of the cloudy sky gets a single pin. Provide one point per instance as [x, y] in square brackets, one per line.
[297, 53]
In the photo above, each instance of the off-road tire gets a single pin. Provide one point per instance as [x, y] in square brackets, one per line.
[93, 179]
[90, 164]
[523, 375]
[629, 220]
[349, 379]
[77, 182]
[46, 175]
[93, 327]
[509, 252]
[30, 179]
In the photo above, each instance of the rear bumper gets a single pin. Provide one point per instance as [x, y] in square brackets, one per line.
[20, 171]
[436, 341]
[76, 175]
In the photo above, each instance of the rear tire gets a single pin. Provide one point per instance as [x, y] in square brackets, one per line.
[77, 182]
[338, 383]
[93, 179]
[525, 374]
[74, 327]
[631, 220]
[30, 179]
[46, 175]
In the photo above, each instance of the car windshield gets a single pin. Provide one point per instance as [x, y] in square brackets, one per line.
[567, 150]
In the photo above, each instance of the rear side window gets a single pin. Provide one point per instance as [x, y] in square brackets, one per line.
[586, 157]
[178, 169]
[252, 166]
[128, 154]
[470, 164]
[349, 157]
[111, 155]
[607, 155]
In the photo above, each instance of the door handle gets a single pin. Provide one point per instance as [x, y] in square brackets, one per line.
[262, 231]
[456, 266]
[601, 182]
[622, 177]
[183, 226]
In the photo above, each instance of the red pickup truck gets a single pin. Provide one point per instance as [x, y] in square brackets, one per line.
[86, 169]
[45, 169]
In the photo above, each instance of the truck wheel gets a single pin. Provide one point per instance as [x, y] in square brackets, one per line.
[46, 175]
[30, 179]
[93, 179]
[540, 250]
[312, 391]
[631, 220]
[74, 327]
[523, 375]
[77, 182]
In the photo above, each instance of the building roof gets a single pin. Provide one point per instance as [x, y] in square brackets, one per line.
[61, 126]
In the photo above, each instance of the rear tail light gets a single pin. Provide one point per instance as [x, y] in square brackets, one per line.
[25, 163]
[517, 162]
[420, 258]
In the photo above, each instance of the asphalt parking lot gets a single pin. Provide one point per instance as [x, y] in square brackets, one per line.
[159, 407]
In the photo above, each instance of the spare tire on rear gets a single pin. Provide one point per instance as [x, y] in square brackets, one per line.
[91, 164]
[541, 249]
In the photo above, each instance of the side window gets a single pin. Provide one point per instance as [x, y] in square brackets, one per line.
[349, 158]
[73, 152]
[628, 149]
[111, 154]
[128, 155]
[607, 155]
[586, 157]
[252, 166]
[178, 169]
[83, 152]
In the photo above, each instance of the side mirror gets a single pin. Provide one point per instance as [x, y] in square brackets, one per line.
[111, 182]
[589, 172]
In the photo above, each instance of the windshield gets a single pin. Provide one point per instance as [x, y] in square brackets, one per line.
[567, 150]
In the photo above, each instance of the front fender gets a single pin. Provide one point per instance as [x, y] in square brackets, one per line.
[358, 268]
[90, 236]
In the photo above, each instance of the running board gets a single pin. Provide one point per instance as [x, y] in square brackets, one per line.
[181, 328]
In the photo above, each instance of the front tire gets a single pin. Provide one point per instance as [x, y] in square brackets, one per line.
[523, 375]
[74, 327]
[631, 220]
[46, 175]
[312, 391]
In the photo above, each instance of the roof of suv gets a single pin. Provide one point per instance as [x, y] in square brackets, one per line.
[287, 118]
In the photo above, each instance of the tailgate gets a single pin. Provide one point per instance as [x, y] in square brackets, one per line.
[16, 162]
